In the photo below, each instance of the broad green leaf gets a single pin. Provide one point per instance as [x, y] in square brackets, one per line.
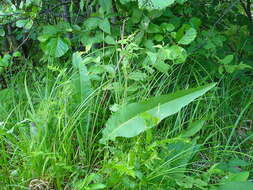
[2, 32]
[155, 4]
[110, 40]
[195, 22]
[158, 37]
[153, 28]
[27, 24]
[137, 76]
[176, 54]
[157, 61]
[16, 54]
[92, 23]
[64, 27]
[21, 23]
[81, 5]
[237, 186]
[239, 163]
[190, 182]
[50, 30]
[5, 61]
[82, 79]
[188, 37]
[97, 186]
[56, 47]
[43, 38]
[61, 47]
[243, 66]
[162, 67]
[193, 129]
[166, 27]
[105, 26]
[135, 118]
[228, 59]
[106, 5]
[1, 69]
[238, 176]
[230, 68]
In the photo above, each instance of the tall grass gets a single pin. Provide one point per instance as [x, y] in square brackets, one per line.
[50, 135]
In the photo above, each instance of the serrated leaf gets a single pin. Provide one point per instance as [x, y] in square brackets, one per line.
[188, 37]
[135, 118]
[56, 47]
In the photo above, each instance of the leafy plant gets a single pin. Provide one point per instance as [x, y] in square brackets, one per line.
[135, 118]
[67, 66]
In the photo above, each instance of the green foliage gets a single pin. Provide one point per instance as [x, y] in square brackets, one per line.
[135, 118]
[55, 47]
[155, 5]
[188, 37]
[237, 185]
[76, 75]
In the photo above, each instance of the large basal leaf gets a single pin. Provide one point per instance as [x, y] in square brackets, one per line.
[81, 79]
[155, 4]
[135, 118]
